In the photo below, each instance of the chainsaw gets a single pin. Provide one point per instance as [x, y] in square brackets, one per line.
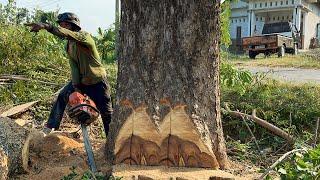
[83, 111]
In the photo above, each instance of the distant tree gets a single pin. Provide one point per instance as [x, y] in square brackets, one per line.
[45, 17]
[225, 23]
[105, 41]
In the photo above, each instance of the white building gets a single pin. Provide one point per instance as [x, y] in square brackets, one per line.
[249, 16]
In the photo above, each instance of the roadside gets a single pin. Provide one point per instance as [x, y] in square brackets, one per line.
[294, 75]
[305, 60]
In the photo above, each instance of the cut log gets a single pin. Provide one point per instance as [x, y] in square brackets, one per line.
[12, 140]
[18, 109]
[168, 98]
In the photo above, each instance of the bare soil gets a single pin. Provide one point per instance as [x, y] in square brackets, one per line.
[53, 157]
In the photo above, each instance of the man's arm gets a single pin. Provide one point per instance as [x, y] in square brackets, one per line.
[81, 37]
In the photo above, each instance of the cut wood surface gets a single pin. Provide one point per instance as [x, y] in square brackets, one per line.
[12, 140]
[18, 109]
[175, 142]
[262, 123]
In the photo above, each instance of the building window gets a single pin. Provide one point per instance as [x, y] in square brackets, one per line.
[270, 4]
[281, 3]
[274, 18]
[278, 18]
[261, 5]
[260, 18]
[282, 17]
[255, 5]
[287, 2]
[244, 20]
[236, 21]
[257, 19]
[265, 4]
[292, 1]
[287, 17]
[239, 20]
[276, 3]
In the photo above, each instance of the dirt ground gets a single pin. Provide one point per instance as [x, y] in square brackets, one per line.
[54, 156]
[60, 154]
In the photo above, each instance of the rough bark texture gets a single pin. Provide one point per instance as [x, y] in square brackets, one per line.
[12, 140]
[168, 85]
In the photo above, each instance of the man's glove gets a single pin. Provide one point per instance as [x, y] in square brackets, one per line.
[36, 27]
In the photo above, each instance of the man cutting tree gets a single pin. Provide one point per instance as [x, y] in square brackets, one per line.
[87, 72]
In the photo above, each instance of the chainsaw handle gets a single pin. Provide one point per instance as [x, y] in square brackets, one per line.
[81, 105]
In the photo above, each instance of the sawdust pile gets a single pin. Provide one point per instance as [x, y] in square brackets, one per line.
[55, 155]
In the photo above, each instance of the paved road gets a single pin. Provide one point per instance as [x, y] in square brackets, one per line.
[295, 75]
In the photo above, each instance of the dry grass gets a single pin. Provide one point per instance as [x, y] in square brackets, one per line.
[308, 60]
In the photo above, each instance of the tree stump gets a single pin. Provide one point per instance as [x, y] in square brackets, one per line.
[12, 140]
[168, 98]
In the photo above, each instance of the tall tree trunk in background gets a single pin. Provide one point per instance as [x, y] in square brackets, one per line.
[168, 97]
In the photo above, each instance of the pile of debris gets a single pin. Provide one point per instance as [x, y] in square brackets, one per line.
[27, 152]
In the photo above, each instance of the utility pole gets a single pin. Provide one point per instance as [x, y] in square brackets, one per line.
[116, 28]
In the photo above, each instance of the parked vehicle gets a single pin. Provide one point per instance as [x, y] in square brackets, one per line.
[280, 37]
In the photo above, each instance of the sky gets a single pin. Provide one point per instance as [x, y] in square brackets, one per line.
[92, 13]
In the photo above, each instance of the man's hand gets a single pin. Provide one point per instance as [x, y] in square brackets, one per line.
[36, 27]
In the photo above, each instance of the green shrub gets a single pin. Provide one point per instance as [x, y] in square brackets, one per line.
[300, 166]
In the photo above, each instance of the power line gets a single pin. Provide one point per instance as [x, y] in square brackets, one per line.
[43, 5]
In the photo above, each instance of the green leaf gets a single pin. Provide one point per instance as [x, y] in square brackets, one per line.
[282, 171]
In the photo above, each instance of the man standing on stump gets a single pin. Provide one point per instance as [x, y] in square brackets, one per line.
[88, 74]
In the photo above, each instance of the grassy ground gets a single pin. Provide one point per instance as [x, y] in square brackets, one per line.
[308, 60]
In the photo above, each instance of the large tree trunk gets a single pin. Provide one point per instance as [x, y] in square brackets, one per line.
[168, 98]
[12, 140]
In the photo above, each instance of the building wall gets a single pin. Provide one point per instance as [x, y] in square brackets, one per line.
[310, 28]
[270, 11]
[240, 20]
[267, 4]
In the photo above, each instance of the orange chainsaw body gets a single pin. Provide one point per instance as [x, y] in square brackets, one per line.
[82, 109]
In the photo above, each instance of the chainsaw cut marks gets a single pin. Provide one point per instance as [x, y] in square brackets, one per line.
[174, 143]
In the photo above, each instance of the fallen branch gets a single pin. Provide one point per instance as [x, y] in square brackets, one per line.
[262, 123]
[316, 133]
[254, 138]
[16, 77]
[283, 157]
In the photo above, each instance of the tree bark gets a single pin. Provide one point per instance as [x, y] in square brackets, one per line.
[168, 98]
[12, 140]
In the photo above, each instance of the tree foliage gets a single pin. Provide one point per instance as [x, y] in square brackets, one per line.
[105, 41]
[38, 56]
[225, 23]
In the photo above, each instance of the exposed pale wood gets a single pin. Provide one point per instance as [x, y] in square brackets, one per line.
[262, 123]
[142, 177]
[220, 178]
[22, 122]
[18, 109]
[166, 173]
[174, 143]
